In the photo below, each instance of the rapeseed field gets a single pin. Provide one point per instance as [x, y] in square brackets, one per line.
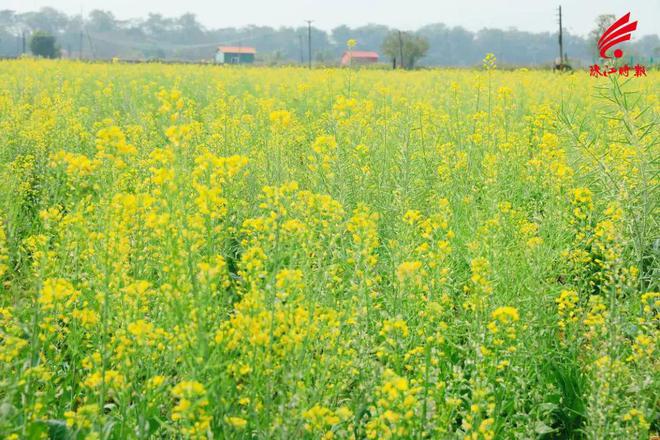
[281, 253]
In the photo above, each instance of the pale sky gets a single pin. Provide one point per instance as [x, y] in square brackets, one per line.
[528, 15]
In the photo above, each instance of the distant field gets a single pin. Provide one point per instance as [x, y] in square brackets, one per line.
[206, 252]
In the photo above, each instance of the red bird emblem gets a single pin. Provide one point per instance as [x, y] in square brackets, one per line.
[619, 32]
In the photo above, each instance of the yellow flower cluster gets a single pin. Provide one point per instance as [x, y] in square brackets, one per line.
[395, 407]
[190, 409]
[321, 420]
[4, 252]
[567, 304]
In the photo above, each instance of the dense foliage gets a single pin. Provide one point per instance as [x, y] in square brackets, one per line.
[198, 251]
[43, 45]
[102, 36]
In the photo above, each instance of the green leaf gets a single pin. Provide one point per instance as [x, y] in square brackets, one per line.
[542, 428]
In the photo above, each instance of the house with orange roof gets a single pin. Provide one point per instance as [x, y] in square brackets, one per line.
[359, 57]
[235, 55]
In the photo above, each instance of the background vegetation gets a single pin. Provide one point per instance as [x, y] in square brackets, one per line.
[184, 38]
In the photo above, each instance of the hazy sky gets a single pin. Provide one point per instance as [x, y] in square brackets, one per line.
[529, 15]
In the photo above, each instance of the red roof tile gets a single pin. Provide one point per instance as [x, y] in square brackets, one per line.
[362, 54]
[237, 49]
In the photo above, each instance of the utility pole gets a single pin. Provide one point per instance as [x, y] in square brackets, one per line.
[91, 45]
[82, 27]
[401, 51]
[23, 39]
[302, 58]
[309, 42]
[561, 42]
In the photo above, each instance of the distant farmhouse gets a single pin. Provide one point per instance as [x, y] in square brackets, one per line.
[357, 57]
[235, 55]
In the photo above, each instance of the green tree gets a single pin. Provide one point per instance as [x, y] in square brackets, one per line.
[602, 23]
[102, 21]
[43, 45]
[406, 47]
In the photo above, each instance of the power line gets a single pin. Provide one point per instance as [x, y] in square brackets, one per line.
[150, 43]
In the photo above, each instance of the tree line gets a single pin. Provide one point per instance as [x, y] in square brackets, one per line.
[101, 35]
